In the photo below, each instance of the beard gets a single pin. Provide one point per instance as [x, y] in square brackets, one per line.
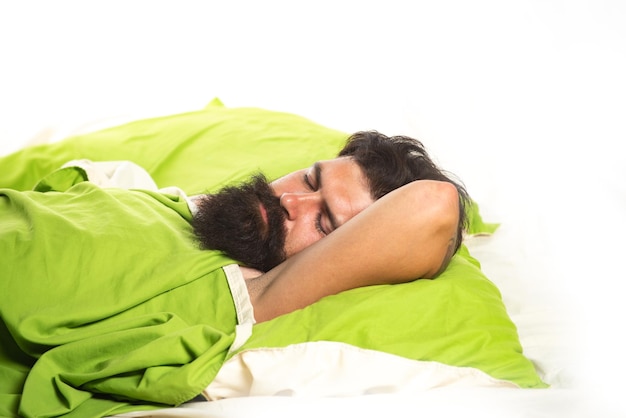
[230, 221]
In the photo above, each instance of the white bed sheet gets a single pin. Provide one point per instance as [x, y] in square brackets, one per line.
[436, 403]
[523, 100]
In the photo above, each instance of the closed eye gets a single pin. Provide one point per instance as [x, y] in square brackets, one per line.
[313, 185]
[307, 182]
[318, 225]
[313, 182]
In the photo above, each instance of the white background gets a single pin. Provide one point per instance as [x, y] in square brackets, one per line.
[524, 100]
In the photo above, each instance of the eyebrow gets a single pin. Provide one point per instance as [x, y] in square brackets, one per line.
[317, 169]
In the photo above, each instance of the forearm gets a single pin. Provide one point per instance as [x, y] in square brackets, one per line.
[403, 236]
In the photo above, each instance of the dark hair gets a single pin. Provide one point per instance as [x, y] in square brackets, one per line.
[391, 162]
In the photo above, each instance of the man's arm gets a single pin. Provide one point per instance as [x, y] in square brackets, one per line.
[408, 234]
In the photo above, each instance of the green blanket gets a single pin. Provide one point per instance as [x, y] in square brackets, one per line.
[146, 315]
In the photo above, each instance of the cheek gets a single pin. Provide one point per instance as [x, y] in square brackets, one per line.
[298, 238]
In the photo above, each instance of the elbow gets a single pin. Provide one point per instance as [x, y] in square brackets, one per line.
[446, 215]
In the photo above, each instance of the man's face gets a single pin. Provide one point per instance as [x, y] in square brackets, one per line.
[261, 225]
[319, 199]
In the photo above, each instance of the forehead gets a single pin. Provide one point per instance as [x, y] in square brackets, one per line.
[343, 186]
[345, 169]
[341, 167]
[336, 175]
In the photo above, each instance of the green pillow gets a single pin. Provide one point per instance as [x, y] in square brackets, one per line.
[197, 151]
[458, 319]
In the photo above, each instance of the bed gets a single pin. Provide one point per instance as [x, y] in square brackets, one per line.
[478, 334]
[524, 102]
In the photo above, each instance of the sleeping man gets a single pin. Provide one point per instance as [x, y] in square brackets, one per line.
[411, 234]
[117, 299]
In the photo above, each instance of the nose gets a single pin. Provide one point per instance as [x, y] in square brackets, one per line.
[295, 204]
